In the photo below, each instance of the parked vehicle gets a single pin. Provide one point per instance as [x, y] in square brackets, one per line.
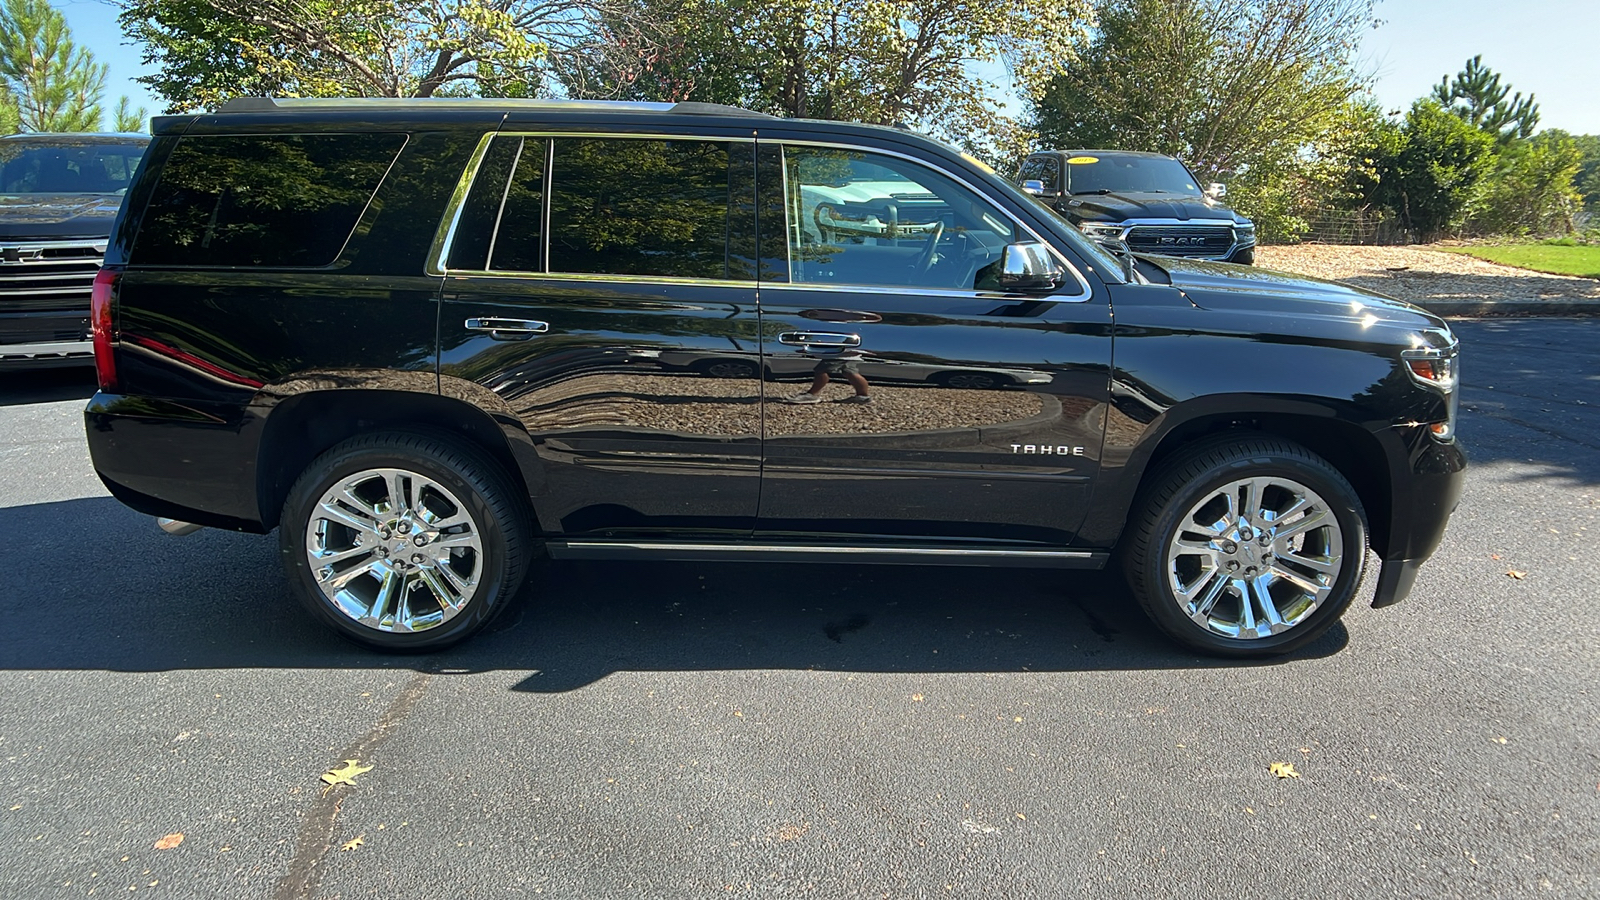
[58, 196]
[419, 338]
[1148, 202]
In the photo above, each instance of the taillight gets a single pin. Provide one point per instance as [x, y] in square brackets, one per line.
[101, 301]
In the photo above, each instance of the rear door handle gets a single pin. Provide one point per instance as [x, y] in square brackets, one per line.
[828, 339]
[508, 329]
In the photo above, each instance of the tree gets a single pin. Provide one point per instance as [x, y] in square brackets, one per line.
[1477, 96]
[887, 62]
[1247, 87]
[1530, 188]
[55, 84]
[210, 50]
[1587, 180]
[1430, 169]
[10, 116]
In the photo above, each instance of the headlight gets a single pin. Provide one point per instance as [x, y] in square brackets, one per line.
[1439, 369]
[1101, 231]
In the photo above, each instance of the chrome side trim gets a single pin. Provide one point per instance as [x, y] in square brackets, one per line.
[829, 553]
[608, 279]
[791, 548]
[778, 467]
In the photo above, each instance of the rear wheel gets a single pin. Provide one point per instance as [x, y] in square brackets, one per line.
[1248, 546]
[403, 542]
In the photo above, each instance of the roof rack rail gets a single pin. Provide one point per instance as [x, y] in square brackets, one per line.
[270, 104]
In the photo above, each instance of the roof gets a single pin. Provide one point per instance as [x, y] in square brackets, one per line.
[268, 104]
[1110, 153]
[101, 137]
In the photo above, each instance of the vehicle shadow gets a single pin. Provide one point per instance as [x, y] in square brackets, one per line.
[97, 587]
[46, 385]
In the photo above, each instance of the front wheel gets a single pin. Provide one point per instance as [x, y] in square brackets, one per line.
[403, 542]
[1247, 546]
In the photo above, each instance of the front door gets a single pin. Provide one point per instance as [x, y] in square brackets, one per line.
[599, 290]
[908, 397]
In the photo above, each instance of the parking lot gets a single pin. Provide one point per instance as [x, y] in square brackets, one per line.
[655, 730]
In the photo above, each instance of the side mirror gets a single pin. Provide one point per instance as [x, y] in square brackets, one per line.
[1216, 190]
[1028, 267]
[1033, 186]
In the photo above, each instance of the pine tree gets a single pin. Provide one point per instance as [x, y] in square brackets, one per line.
[56, 84]
[1476, 95]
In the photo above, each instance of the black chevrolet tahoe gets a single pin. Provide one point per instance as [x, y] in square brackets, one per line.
[58, 196]
[426, 339]
[1148, 202]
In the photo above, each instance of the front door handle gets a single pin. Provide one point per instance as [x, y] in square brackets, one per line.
[823, 339]
[508, 329]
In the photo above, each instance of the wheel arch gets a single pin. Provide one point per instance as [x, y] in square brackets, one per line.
[1355, 451]
[303, 426]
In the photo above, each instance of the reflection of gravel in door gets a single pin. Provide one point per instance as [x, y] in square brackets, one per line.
[898, 409]
[691, 404]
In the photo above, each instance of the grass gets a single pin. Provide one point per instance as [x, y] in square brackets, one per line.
[1563, 257]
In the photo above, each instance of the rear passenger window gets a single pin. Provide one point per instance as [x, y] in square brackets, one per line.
[262, 200]
[642, 207]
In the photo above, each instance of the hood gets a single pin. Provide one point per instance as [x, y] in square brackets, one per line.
[1130, 205]
[1213, 285]
[46, 216]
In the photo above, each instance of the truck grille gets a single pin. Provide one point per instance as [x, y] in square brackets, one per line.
[48, 276]
[1208, 241]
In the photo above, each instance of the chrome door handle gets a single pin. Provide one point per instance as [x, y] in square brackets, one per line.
[508, 329]
[828, 339]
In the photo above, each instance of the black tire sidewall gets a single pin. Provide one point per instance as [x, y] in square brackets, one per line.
[456, 469]
[1156, 596]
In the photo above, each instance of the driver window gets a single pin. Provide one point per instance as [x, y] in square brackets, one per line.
[870, 219]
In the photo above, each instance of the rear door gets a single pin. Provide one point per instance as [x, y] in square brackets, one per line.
[599, 291]
[912, 399]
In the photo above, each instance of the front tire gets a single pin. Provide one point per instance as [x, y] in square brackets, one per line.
[1247, 546]
[403, 542]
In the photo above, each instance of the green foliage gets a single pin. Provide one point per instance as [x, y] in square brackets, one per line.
[10, 116]
[1530, 189]
[127, 118]
[1263, 91]
[1431, 169]
[54, 84]
[1477, 96]
[1587, 180]
[207, 51]
[1559, 258]
[885, 62]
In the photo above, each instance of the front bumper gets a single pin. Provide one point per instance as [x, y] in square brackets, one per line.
[1425, 498]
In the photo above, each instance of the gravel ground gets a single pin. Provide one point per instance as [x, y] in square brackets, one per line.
[1419, 274]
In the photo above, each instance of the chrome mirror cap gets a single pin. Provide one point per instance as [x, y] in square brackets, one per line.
[1028, 266]
[1033, 186]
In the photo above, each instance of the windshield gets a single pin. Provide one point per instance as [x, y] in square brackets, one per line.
[33, 167]
[1092, 250]
[1128, 174]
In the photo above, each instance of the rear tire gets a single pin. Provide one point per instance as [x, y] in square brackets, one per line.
[403, 542]
[1247, 545]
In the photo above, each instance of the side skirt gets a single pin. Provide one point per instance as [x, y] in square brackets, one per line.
[830, 553]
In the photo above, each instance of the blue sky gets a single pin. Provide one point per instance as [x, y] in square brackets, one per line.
[1544, 46]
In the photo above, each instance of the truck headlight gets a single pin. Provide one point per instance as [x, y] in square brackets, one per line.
[1104, 232]
[1439, 369]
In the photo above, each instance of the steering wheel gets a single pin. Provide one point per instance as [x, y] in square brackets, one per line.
[925, 258]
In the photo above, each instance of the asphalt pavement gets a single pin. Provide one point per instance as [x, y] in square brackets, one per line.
[676, 730]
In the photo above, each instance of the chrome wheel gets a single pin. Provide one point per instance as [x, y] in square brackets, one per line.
[1255, 557]
[393, 550]
[971, 381]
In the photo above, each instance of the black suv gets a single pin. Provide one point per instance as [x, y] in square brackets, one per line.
[1146, 201]
[423, 339]
[59, 194]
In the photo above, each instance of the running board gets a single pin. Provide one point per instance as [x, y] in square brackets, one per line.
[831, 553]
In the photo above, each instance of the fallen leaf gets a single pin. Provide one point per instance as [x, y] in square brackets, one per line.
[1494, 556]
[1499, 740]
[353, 843]
[1022, 817]
[916, 698]
[1515, 574]
[345, 774]
[1283, 770]
[1017, 719]
[170, 841]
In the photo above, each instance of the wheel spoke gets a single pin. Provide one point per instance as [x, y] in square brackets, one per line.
[1309, 587]
[380, 612]
[1268, 606]
[399, 486]
[337, 581]
[1200, 610]
[1324, 564]
[334, 557]
[1312, 519]
[1247, 609]
[450, 599]
[1250, 507]
[333, 512]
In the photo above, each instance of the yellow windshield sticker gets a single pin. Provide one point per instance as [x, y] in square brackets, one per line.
[978, 162]
[1082, 160]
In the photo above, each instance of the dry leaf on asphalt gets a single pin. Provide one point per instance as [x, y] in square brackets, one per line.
[1515, 574]
[1283, 770]
[353, 843]
[345, 774]
[170, 841]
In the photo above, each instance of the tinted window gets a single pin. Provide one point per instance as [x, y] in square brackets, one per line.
[67, 167]
[262, 200]
[641, 207]
[518, 241]
[861, 218]
[479, 212]
[1044, 169]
